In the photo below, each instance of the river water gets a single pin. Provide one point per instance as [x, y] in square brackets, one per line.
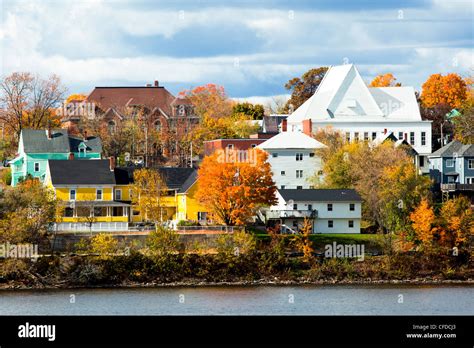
[240, 300]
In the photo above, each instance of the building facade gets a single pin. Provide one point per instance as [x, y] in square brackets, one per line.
[331, 211]
[36, 147]
[293, 158]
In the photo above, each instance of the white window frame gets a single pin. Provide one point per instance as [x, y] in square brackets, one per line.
[452, 163]
[299, 156]
[352, 205]
[349, 223]
[330, 223]
[299, 173]
[400, 135]
[70, 194]
[470, 164]
[470, 180]
[282, 173]
[97, 194]
[330, 207]
[412, 138]
[230, 146]
[118, 190]
[423, 138]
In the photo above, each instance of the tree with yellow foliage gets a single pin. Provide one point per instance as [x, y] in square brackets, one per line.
[148, 190]
[233, 190]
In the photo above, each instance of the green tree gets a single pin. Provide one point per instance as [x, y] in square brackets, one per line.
[303, 88]
[162, 241]
[26, 212]
[255, 111]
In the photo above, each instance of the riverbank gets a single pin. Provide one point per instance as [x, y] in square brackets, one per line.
[138, 270]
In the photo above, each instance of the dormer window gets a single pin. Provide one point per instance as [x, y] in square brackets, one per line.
[111, 127]
[82, 150]
[158, 126]
[181, 110]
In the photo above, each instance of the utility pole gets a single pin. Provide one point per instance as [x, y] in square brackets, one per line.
[191, 162]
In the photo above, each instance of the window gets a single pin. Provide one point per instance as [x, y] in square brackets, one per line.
[130, 194]
[356, 136]
[299, 187]
[253, 146]
[282, 173]
[412, 138]
[352, 207]
[422, 161]
[295, 223]
[470, 163]
[450, 162]
[330, 223]
[299, 174]
[351, 223]
[230, 146]
[158, 126]
[374, 135]
[310, 207]
[400, 135]
[202, 215]
[98, 195]
[72, 195]
[470, 180]
[274, 154]
[329, 206]
[311, 154]
[37, 167]
[118, 194]
[82, 152]
[181, 110]
[348, 136]
[366, 136]
[320, 172]
[282, 187]
[117, 211]
[295, 206]
[111, 127]
[136, 212]
[100, 211]
[68, 212]
[423, 138]
[299, 156]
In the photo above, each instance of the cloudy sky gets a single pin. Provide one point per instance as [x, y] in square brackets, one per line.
[250, 47]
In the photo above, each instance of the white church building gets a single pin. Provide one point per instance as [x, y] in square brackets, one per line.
[344, 102]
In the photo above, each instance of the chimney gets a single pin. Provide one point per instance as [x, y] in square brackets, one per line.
[112, 163]
[48, 131]
[156, 83]
[385, 131]
[284, 125]
[307, 127]
[71, 156]
[85, 136]
[148, 84]
[405, 136]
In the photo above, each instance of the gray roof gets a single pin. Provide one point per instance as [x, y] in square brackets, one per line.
[94, 144]
[453, 147]
[321, 195]
[176, 178]
[91, 172]
[36, 141]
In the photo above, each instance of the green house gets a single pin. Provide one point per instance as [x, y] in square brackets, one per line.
[36, 147]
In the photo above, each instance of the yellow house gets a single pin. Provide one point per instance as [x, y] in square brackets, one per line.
[188, 206]
[179, 202]
[86, 190]
[98, 197]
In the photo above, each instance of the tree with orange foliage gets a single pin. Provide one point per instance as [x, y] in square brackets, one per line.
[456, 223]
[76, 97]
[233, 189]
[450, 90]
[209, 101]
[385, 80]
[423, 219]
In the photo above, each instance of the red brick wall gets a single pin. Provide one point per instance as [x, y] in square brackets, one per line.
[239, 144]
